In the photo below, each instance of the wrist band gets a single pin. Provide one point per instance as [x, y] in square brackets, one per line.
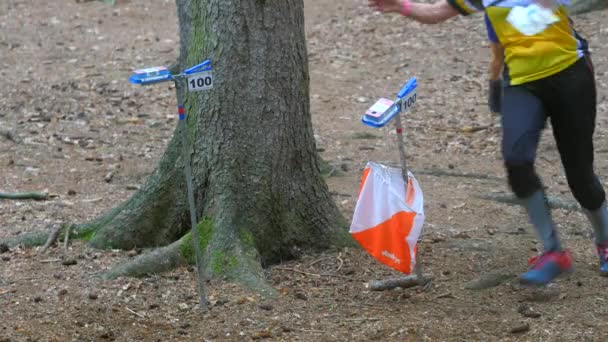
[405, 7]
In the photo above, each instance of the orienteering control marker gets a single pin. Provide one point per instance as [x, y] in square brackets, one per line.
[198, 78]
[379, 115]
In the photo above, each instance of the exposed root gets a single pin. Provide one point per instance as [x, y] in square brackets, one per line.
[402, 282]
[28, 240]
[445, 173]
[579, 7]
[436, 172]
[38, 196]
[66, 239]
[51, 239]
[156, 261]
[249, 271]
[46, 239]
[554, 202]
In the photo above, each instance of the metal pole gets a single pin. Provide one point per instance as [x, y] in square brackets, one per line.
[188, 174]
[401, 145]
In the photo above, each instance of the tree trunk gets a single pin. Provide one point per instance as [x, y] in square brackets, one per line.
[582, 6]
[255, 166]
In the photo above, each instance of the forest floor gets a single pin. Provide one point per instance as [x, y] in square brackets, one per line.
[71, 125]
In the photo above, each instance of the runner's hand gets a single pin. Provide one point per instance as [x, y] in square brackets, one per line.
[495, 96]
[385, 6]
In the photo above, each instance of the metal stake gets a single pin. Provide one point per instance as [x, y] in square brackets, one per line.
[202, 299]
[401, 145]
[199, 78]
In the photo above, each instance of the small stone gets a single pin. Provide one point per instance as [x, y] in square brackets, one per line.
[348, 271]
[521, 328]
[461, 235]
[107, 335]
[58, 275]
[262, 335]
[301, 295]
[108, 178]
[93, 296]
[62, 292]
[526, 311]
[69, 262]
[183, 306]
[362, 99]
[71, 192]
[4, 248]
[266, 307]
[542, 295]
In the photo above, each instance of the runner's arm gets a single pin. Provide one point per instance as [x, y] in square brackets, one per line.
[497, 62]
[425, 13]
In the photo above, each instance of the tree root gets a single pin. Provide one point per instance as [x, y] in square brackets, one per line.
[51, 239]
[445, 173]
[28, 240]
[402, 282]
[156, 261]
[554, 202]
[250, 272]
[38, 196]
[46, 239]
[584, 6]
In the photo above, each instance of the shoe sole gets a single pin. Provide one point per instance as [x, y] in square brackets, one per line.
[535, 284]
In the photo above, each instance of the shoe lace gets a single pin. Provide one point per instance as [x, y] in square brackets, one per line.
[539, 260]
[533, 260]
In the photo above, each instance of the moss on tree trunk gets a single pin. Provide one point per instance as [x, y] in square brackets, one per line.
[256, 172]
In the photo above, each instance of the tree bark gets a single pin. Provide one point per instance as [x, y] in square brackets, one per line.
[256, 171]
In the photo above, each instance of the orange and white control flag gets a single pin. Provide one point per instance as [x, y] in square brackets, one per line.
[388, 217]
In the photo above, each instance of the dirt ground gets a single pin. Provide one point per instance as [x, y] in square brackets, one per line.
[81, 132]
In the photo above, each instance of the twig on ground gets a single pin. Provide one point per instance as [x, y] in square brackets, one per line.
[445, 295]
[341, 263]
[444, 173]
[51, 239]
[554, 202]
[466, 129]
[319, 260]
[66, 239]
[38, 196]
[402, 282]
[135, 313]
[48, 261]
[313, 274]
[361, 319]
[312, 331]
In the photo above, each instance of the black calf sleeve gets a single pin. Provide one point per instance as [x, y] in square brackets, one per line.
[522, 178]
[585, 186]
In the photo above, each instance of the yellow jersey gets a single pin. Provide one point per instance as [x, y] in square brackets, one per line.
[528, 58]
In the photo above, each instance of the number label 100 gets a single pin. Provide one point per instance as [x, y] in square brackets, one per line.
[200, 81]
[408, 102]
